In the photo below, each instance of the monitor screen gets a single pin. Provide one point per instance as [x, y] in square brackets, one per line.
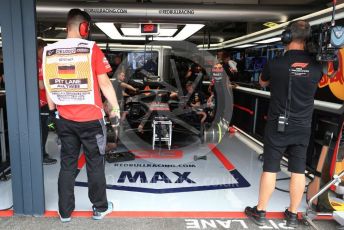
[143, 60]
[255, 63]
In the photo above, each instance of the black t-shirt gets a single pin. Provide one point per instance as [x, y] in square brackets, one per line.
[305, 74]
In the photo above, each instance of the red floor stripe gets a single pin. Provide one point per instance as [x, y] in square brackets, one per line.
[8, 213]
[228, 165]
[241, 215]
[138, 214]
[132, 214]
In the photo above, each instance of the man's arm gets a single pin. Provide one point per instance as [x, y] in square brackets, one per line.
[41, 84]
[264, 78]
[109, 93]
[188, 74]
[51, 104]
[127, 86]
[262, 82]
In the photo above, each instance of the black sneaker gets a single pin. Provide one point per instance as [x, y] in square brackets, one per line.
[258, 217]
[291, 219]
[49, 161]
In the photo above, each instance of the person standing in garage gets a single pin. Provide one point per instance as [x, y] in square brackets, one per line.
[293, 79]
[75, 70]
[43, 105]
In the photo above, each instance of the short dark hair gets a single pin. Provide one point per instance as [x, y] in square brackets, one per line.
[41, 43]
[300, 30]
[224, 53]
[77, 15]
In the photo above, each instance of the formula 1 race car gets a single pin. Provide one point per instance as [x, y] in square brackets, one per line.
[164, 110]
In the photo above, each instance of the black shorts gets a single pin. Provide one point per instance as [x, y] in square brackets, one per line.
[293, 143]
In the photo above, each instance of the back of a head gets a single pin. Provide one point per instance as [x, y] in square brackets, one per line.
[300, 31]
[75, 17]
[225, 55]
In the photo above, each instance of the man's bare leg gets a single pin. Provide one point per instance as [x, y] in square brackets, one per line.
[297, 188]
[267, 186]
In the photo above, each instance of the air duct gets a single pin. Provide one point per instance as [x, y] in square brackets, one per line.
[141, 12]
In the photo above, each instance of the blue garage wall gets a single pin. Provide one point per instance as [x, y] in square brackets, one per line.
[17, 19]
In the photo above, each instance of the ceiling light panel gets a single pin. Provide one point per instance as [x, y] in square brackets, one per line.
[270, 40]
[131, 31]
[137, 32]
[244, 46]
[188, 30]
[110, 30]
[167, 32]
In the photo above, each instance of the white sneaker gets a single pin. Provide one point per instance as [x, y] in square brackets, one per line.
[64, 220]
[100, 215]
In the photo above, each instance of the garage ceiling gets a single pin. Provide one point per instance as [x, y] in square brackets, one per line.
[216, 31]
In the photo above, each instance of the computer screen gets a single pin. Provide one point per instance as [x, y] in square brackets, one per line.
[143, 60]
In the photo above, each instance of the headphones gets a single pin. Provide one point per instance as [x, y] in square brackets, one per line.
[84, 29]
[287, 34]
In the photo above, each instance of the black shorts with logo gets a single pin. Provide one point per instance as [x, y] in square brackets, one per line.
[292, 143]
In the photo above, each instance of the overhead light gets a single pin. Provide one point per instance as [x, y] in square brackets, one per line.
[187, 31]
[52, 39]
[244, 46]
[137, 32]
[270, 40]
[110, 30]
[131, 31]
[167, 32]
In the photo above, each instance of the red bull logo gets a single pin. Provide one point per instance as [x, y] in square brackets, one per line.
[336, 83]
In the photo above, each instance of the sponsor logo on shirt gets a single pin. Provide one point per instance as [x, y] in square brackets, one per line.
[299, 65]
[106, 63]
[299, 69]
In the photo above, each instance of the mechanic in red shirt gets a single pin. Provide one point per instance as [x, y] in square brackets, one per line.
[75, 70]
[43, 104]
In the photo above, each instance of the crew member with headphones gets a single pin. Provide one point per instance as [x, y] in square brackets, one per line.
[74, 71]
[293, 80]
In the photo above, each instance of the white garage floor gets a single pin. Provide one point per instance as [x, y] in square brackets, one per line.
[172, 181]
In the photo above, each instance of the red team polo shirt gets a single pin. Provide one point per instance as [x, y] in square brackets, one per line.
[42, 94]
[82, 113]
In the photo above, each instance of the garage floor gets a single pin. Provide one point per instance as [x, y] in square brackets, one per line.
[164, 189]
[172, 181]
